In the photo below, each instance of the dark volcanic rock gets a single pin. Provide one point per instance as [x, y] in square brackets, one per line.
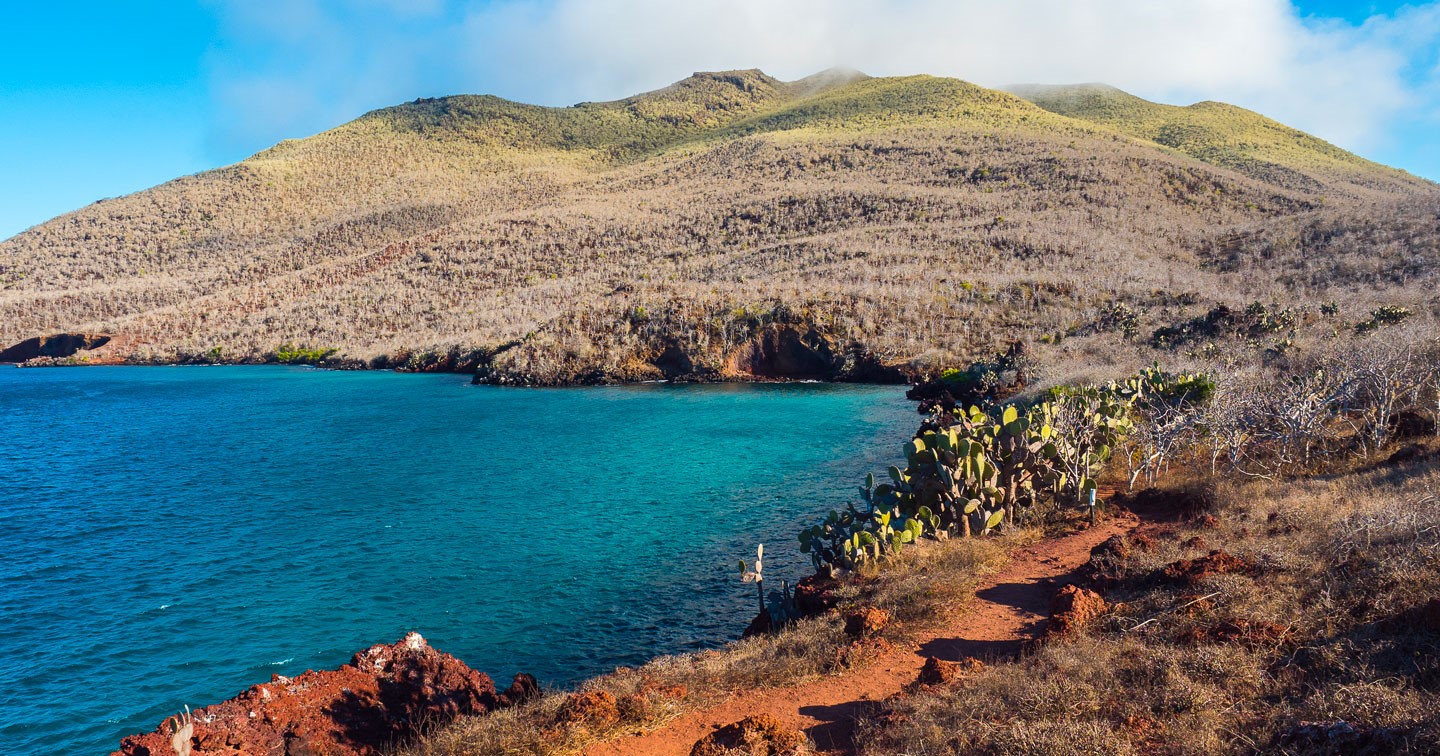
[522, 688]
[797, 352]
[59, 345]
[816, 594]
[763, 624]
[381, 698]
[785, 352]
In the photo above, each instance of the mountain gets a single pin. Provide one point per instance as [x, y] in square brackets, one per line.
[729, 225]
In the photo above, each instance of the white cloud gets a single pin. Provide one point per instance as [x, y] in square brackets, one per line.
[328, 61]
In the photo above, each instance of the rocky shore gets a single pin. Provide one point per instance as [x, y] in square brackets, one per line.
[774, 353]
[380, 699]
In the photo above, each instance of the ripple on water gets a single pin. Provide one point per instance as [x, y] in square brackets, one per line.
[192, 532]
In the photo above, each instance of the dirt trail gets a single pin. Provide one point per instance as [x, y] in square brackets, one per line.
[1010, 607]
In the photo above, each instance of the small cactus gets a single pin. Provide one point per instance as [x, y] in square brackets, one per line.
[755, 575]
[182, 732]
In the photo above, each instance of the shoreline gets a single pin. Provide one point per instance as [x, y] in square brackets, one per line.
[499, 380]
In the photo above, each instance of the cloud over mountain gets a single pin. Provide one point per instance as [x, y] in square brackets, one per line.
[327, 61]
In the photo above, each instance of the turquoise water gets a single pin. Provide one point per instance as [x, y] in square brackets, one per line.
[169, 536]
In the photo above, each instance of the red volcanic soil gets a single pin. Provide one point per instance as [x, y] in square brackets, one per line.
[378, 700]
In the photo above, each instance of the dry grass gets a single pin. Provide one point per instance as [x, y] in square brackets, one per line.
[926, 219]
[1325, 630]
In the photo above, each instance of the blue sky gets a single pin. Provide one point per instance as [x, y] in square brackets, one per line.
[102, 98]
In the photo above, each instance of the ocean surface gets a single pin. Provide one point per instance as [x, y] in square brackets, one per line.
[170, 536]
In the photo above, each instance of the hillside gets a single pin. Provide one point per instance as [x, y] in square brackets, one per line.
[728, 226]
[1214, 132]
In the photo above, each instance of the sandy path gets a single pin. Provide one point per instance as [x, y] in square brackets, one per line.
[1010, 607]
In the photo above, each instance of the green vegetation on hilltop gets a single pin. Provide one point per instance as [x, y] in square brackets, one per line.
[618, 129]
[908, 221]
[1213, 132]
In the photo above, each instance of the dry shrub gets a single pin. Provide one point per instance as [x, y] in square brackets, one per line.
[926, 219]
[1332, 624]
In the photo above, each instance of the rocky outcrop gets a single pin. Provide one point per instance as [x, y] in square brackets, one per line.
[759, 735]
[381, 698]
[795, 352]
[1071, 609]
[816, 594]
[784, 352]
[58, 346]
[941, 672]
[865, 622]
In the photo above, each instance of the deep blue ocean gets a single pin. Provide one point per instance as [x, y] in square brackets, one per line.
[170, 536]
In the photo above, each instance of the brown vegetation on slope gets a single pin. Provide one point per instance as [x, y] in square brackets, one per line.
[1327, 647]
[912, 221]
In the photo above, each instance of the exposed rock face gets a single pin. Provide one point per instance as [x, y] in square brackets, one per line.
[816, 594]
[866, 622]
[673, 363]
[763, 624]
[59, 345]
[800, 353]
[784, 352]
[1071, 609]
[523, 687]
[760, 735]
[377, 700]
[940, 672]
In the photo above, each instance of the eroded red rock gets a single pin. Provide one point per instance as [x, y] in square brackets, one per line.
[1071, 609]
[593, 708]
[759, 735]
[523, 687]
[379, 699]
[1116, 547]
[866, 621]
[1195, 542]
[941, 672]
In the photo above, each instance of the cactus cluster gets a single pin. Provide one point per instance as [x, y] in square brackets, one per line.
[970, 471]
[855, 536]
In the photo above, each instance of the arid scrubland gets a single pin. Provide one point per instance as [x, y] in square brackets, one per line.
[1323, 638]
[919, 221]
[1279, 591]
